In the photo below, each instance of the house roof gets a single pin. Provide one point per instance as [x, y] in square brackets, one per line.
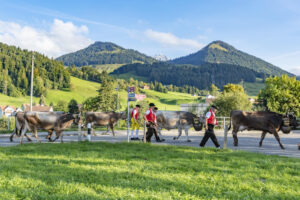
[39, 108]
[4, 107]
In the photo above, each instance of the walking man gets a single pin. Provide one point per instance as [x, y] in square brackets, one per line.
[150, 123]
[210, 122]
[134, 122]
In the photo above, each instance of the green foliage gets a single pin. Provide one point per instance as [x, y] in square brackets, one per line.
[42, 100]
[104, 101]
[281, 94]
[221, 52]
[73, 106]
[101, 53]
[97, 170]
[15, 72]
[214, 90]
[233, 88]
[199, 77]
[232, 100]
[61, 106]
[4, 123]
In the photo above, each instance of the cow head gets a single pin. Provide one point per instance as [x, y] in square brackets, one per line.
[198, 123]
[289, 122]
[76, 118]
[123, 115]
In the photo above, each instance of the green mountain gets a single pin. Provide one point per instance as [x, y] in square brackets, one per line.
[101, 53]
[15, 72]
[200, 77]
[221, 52]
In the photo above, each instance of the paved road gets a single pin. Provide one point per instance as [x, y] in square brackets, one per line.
[248, 141]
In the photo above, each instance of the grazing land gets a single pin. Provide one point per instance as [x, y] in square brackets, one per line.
[142, 171]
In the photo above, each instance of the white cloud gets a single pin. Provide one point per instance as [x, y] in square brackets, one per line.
[170, 40]
[63, 37]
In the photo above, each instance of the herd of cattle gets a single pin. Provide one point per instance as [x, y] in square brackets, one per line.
[267, 122]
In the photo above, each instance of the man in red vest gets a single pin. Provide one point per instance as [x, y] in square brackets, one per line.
[134, 122]
[150, 123]
[210, 123]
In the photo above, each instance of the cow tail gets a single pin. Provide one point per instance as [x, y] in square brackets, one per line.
[229, 122]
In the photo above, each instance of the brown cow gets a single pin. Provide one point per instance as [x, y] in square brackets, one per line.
[104, 119]
[20, 125]
[49, 121]
[268, 122]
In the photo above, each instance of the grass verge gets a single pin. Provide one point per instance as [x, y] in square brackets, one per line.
[143, 171]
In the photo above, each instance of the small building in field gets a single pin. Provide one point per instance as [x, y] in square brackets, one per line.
[146, 87]
[37, 108]
[209, 99]
[7, 111]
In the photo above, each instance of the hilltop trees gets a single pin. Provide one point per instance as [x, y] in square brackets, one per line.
[232, 98]
[105, 100]
[15, 72]
[281, 94]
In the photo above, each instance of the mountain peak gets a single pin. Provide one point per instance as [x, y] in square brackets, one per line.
[104, 46]
[221, 52]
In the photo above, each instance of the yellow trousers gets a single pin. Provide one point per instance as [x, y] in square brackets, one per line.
[134, 125]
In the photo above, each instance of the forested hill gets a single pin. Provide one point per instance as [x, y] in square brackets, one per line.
[199, 76]
[221, 52]
[101, 53]
[15, 72]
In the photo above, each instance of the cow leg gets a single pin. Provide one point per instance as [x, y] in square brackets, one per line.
[50, 132]
[234, 135]
[57, 136]
[263, 135]
[107, 129]
[61, 137]
[179, 134]
[28, 138]
[112, 129]
[36, 135]
[22, 134]
[159, 132]
[278, 139]
[187, 134]
[12, 136]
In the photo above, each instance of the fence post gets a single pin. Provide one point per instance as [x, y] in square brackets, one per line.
[225, 136]
[8, 122]
[144, 131]
[79, 132]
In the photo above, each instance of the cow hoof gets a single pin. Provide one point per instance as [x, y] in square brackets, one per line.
[282, 148]
[174, 138]
[189, 141]
[11, 139]
[236, 145]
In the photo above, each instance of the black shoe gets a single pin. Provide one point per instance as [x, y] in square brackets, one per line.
[132, 139]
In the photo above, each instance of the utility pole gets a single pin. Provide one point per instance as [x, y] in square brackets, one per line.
[31, 87]
[117, 89]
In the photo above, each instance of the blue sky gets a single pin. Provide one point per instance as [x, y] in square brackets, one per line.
[269, 29]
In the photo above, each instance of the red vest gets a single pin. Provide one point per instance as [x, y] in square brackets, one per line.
[212, 119]
[150, 117]
[137, 113]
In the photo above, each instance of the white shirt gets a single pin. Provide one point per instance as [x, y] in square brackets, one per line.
[148, 112]
[89, 125]
[134, 112]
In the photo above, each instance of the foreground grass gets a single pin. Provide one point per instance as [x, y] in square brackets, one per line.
[139, 171]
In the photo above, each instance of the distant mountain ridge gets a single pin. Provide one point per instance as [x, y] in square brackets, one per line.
[221, 52]
[101, 53]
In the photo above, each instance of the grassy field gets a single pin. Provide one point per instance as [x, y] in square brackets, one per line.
[81, 90]
[107, 67]
[252, 89]
[143, 171]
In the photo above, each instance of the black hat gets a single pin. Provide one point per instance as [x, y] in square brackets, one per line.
[138, 106]
[216, 107]
[155, 108]
[151, 104]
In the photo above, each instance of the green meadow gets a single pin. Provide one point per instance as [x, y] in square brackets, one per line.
[82, 89]
[143, 171]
